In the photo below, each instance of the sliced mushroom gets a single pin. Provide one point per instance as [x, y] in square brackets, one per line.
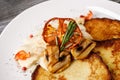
[55, 61]
[82, 51]
[52, 54]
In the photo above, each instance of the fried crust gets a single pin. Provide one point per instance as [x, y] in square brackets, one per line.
[109, 51]
[103, 28]
[91, 68]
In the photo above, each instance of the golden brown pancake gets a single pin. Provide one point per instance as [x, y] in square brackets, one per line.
[110, 53]
[103, 28]
[91, 68]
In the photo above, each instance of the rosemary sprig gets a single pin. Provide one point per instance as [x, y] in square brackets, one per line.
[68, 34]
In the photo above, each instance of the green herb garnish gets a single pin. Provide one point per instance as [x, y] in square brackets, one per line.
[71, 27]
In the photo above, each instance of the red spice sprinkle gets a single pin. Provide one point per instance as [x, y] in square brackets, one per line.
[24, 68]
[31, 36]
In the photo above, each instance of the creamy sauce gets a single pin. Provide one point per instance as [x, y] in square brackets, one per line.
[35, 46]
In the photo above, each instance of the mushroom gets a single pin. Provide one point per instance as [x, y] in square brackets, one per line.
[56, 61]
[83, 49]
[51, 54]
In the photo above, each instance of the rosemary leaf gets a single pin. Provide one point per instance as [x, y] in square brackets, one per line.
[68, 34]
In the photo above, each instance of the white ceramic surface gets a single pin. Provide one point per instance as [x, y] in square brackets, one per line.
[32, 19]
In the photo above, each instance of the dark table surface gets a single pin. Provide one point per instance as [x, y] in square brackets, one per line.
[10, 8]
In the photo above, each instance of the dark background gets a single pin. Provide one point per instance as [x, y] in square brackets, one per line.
[10, 8]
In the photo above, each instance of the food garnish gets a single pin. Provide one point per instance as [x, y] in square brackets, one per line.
[31, 35]
[71, 27]
[24, 68]
[22, 55]
[88, 16]
[50, 33]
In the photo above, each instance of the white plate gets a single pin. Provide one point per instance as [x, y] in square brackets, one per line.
[29, 21]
